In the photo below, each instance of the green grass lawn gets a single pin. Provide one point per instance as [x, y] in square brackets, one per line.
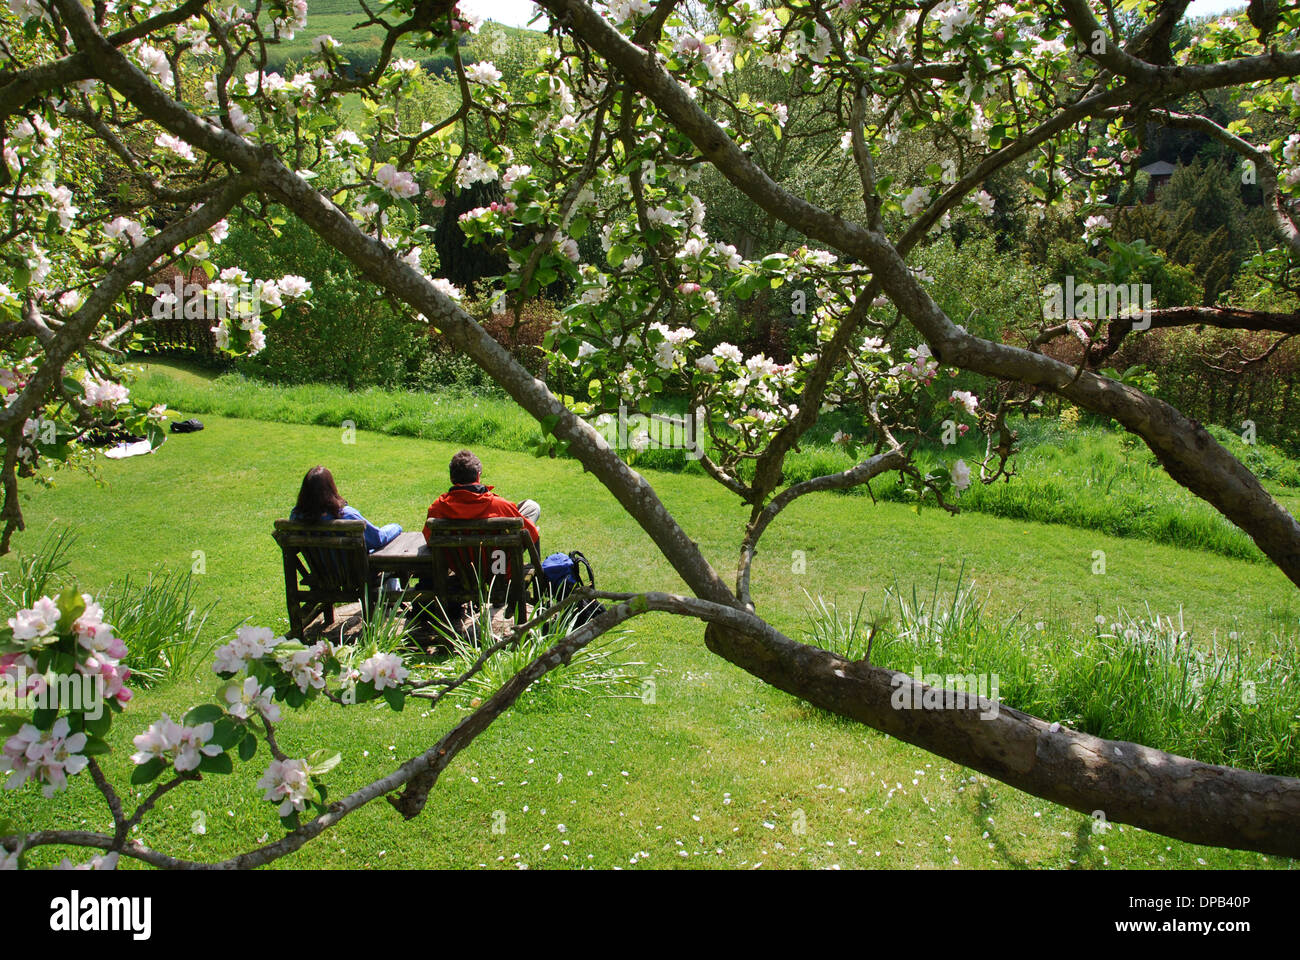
[1083, 477]
[720, 770]
[343, 19]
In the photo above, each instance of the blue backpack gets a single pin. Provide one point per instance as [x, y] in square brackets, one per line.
[561, 575]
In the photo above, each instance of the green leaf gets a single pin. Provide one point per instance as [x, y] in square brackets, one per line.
[147, 772]
[11, 724]
[396, 698]
[204, 713]
[321, 762]
[100, 725]
[618, 253]
[226, 733]
[96, 746]
[71, 606]
[248, 748]
[221, 763]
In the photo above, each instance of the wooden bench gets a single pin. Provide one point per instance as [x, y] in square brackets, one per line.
[462, 560]
[325, 564]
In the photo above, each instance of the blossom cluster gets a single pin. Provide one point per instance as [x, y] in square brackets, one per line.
[68, 631]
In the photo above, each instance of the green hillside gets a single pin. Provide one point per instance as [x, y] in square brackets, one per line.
[343, 20]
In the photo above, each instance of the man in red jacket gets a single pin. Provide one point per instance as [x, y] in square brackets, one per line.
[468, 499]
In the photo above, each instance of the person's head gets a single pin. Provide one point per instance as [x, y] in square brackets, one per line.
[319, 495]
[465, 468]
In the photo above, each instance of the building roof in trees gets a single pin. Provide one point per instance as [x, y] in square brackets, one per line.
[1161, 168]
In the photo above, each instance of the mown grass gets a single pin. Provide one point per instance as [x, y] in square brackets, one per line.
[1084, 477]
[719, 768]
[342, 20]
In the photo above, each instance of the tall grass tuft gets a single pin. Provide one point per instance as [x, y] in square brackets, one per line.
[39, 574]
[163, 624]
[160, 618]
[601, 668]
[1138, 678]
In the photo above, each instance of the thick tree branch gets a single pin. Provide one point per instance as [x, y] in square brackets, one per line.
[1188, 452]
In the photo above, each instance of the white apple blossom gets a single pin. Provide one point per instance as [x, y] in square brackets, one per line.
[103, 861]
[48, 757]
[916, 201]
[250, 643]
[251, 697]
[383, 670]
[663, 217]
[483, 72]
[154, 61]
[289, 783]
[399, 184]
[95, 635]
[26, 10]
[446, 288]
[953, 17]
[293, 286]
[727, 351]
[37, 622]
[1291, 149]
[1048, 48]
[124, 227]
[60, 198]
[960, 475]
[474, 169]
[307, 667]
[515, 172]
[176, 145]
[239, 121]
[1093, 227]
[621, 11]
[966, 399]
[569, 248]
[192, 746]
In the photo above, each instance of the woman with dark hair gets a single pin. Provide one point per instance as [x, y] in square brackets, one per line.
[319, 499]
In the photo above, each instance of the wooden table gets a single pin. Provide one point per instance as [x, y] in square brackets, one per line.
[425, 574]
[406, 556]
